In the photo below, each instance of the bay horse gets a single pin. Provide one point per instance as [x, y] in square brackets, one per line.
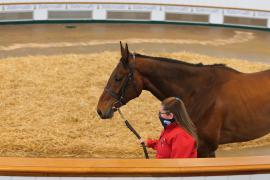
[225, 105]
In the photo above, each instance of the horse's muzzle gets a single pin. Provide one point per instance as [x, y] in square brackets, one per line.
[105, 115]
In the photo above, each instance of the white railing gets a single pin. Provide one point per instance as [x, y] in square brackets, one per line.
[216, 11]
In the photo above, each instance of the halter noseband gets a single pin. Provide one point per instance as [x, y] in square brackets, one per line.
[120, 98]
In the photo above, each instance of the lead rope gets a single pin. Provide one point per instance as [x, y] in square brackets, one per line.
[134, 132]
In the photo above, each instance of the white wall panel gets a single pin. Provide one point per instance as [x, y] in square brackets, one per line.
[250, 4]
[215, 10]
[52, 6]
[81, 6]
[19, 8]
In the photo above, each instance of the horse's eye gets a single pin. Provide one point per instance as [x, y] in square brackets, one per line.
[117, 79]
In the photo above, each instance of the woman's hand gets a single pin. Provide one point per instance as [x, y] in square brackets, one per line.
[141, 141]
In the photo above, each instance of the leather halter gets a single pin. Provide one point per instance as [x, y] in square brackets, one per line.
[120, 96]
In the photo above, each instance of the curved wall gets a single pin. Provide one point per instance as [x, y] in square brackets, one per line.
[223, 12]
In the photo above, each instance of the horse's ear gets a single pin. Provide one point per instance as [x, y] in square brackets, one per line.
[125, 55]
[122, 49]
[126, 50]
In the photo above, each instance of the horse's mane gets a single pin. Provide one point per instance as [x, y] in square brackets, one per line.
[185, 63]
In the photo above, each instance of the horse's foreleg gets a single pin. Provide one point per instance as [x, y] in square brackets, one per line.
[209, 132]
[205, 150]
[212, 154]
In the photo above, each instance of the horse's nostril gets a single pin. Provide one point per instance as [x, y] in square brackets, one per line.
[99, 112]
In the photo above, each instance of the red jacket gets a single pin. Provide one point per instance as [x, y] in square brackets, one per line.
[174, 142]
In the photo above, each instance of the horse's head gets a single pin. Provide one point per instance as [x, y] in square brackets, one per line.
[124, 84]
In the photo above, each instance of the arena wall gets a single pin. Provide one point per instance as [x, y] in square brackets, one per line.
[228, 13]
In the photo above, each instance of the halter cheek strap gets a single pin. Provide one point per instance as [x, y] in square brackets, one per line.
[120, 97]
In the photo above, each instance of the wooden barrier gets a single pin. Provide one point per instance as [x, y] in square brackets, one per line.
[133, 167]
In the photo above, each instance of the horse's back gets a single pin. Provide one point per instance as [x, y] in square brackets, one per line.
[252, 83]
[265, 73]
[251, 90]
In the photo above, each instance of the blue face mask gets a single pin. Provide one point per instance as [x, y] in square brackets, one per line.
[166, 122]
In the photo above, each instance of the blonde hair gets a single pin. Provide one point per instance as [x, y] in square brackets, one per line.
[177, 107]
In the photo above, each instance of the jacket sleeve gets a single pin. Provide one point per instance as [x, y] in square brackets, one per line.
[152, 143]
[182, 147]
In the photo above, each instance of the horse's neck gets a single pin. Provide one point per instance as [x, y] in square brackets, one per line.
[164, 79]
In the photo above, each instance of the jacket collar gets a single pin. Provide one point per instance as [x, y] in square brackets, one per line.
[168, 128]
[171, 126]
